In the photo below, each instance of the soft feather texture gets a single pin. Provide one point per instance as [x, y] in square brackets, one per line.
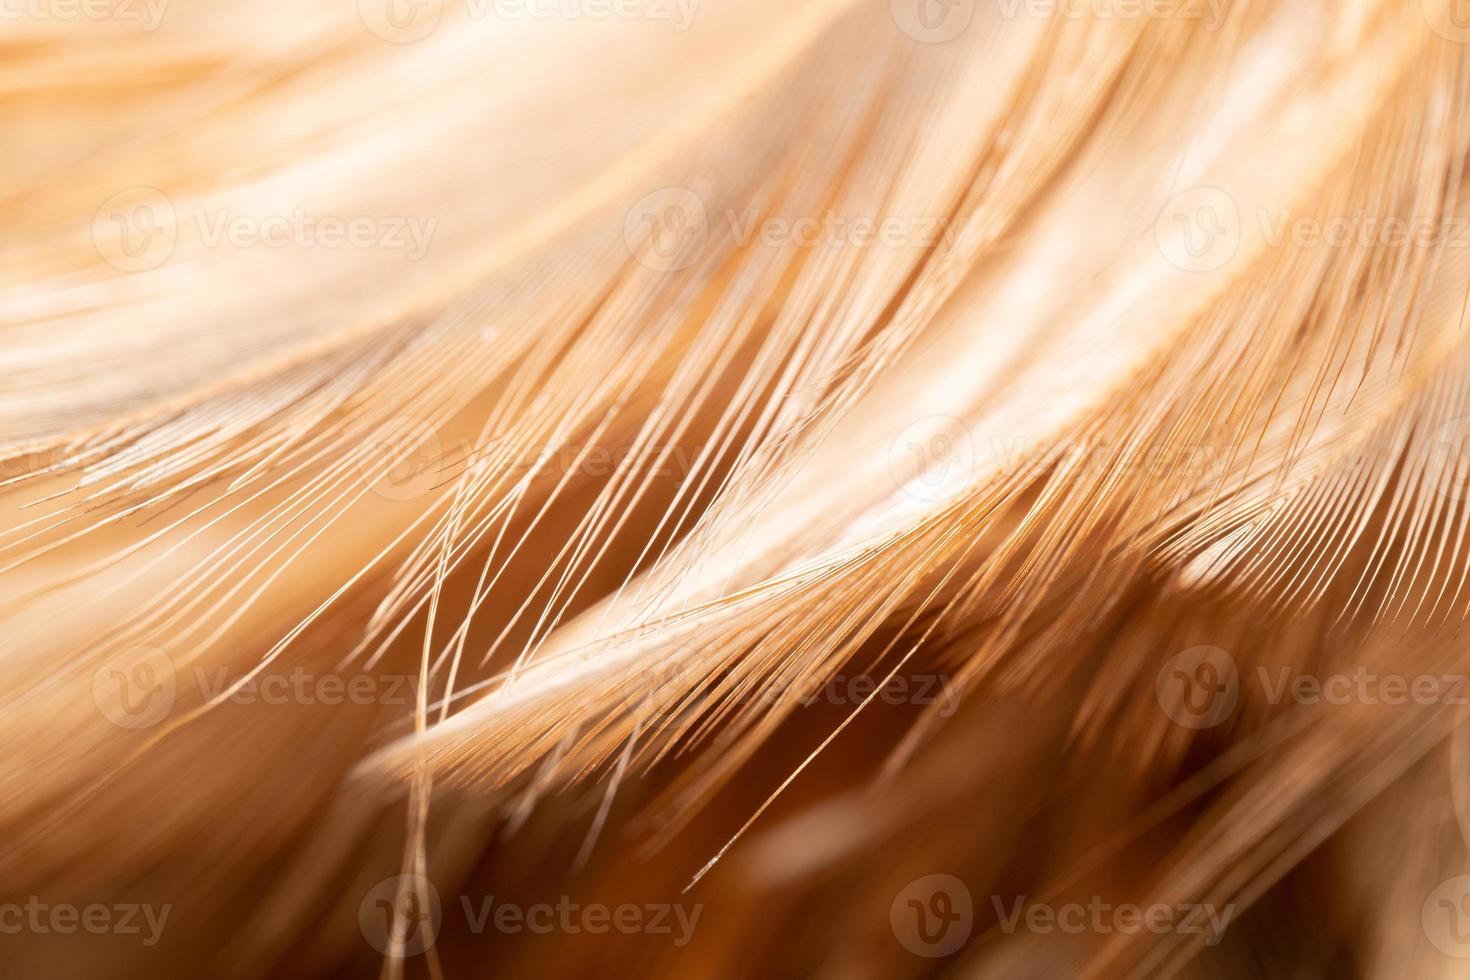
[596, 480]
